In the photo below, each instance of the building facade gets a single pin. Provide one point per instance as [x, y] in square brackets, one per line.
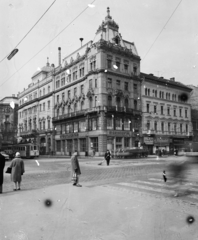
[8, 120]
[35, 110]
[97, 95]
[166, 113]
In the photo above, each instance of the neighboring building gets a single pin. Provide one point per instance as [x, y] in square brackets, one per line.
[193, 100]
[8, 120]
[166, 121]
[36, 109]
[97, 95]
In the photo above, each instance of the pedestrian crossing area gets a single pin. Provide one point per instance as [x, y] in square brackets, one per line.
[156, 186]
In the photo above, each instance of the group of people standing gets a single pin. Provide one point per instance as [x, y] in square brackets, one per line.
[16, 171]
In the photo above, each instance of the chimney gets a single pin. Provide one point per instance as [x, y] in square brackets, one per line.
[172, 79]
[59, 56]
[81, 39]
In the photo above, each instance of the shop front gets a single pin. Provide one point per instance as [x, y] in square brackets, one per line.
[162, 143]
[149, 144]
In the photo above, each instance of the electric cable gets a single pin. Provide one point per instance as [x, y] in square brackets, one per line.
[30, 29]
[49, 42]
[161, 30]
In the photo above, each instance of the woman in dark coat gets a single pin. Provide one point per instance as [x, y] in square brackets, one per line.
[75, 169]
[2, 165]
[18, 169]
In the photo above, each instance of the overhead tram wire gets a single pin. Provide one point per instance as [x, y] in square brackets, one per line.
[47, 43]
[30, 30]
[162, 30]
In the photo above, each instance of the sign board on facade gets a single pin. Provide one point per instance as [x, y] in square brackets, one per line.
[69, 135]
[119, 133]
[148, 140]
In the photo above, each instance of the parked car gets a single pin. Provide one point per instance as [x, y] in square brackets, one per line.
[6, 156]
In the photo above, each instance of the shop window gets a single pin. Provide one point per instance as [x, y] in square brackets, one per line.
[69, 146]
[83, 145]
[118, 142]
[94, 144]
[58, 146]
[126, 142]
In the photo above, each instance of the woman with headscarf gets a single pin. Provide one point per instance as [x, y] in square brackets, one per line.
[18, 169]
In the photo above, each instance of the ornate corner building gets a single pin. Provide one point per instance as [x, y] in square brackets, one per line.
[166, 113]
[97, 95]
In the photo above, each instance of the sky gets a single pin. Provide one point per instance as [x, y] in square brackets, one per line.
[173, 53]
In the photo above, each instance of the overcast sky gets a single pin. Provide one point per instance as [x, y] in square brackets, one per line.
[174, 54]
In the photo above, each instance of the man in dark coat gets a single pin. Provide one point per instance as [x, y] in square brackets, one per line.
[108, 157]
[2, 165]
[75, 169]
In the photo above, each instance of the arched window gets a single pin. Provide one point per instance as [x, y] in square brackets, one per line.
[118, 103]
[90, 102]
[135, 104]
[126, 103]
[109, 103]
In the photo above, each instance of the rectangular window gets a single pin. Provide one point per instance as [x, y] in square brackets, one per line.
[109, 83]
[58, 146]
[162, 127]
[96, 101]
[187, 128]
[147, 107]
[63, 96]
[118, 65]
[109, 63]
[174, 112]
[81, 71]
[126, 86]
[62, 80]
[110, 122]
[48, 124]
[90, 83]
[186, 113]
[126, 67]
[126, 142]
[118, 83]
[162, 110]
[180, 127]
[126, 124]
[169, 127]
[148, 125]
[40, 107]
[168, 110]
[40, 125]
[48, 105]
[43, 106]
[75, 91]
[94, 143]
[155, 126]
[43, 125]
[118, 124]
[135, 86]
[82, 126]
[82, 144]
[96, 83]
[82, 88]
[175, 127]
[69, 94]
[75, 126]
[155, 109]
[180, 112]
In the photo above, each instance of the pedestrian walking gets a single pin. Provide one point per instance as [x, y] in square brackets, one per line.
[17, 166]
[164, 176]
[108, 157]
[2, 165]
[75, 169]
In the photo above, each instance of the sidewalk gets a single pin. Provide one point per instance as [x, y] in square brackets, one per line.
[89, 213]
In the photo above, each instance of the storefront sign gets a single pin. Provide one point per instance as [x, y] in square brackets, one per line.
[148, 140]
[119, 133]
[69, 135]
[162, 140]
